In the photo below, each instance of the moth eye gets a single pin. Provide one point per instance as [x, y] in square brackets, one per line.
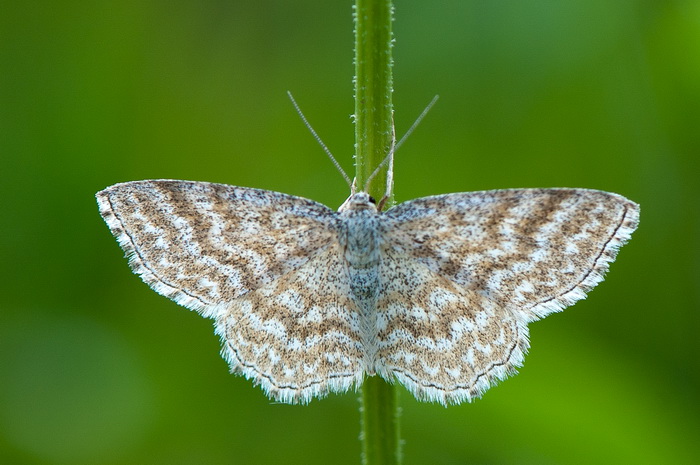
[371, 200]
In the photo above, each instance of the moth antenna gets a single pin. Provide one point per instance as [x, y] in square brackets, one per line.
[390, 169]
[417, 122]
[318, 139]
[395, 146]
[386, 159]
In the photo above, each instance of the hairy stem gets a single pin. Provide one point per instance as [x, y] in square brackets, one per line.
[373, 89]
[373, 139]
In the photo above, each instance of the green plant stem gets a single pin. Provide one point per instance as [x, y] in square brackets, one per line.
[373, 139]
[373, 90]
[381, 443]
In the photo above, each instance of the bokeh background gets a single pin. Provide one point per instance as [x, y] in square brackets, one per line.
[97, 368]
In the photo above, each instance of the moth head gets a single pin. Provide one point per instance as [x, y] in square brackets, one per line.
[359, 201]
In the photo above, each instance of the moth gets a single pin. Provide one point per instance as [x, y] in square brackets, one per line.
[435, 293]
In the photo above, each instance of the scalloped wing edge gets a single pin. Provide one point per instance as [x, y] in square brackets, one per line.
[623, 233]
[137, 264]
[470, 392]
[289, 394]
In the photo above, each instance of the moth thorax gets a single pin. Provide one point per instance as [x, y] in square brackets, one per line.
[361, 238]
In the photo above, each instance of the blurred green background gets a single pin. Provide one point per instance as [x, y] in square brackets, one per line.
[97, 368]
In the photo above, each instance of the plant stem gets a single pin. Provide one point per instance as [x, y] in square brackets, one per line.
[381, 443]
[373, 139]
[373, 89]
